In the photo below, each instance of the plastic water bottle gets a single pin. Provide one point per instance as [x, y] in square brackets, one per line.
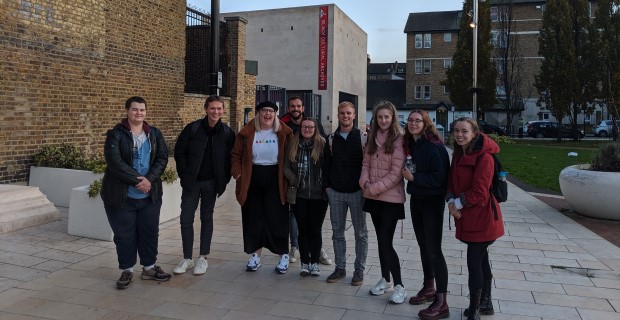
[409, 165]
[502, 175]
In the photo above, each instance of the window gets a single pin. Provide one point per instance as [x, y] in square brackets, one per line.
[423, 92]
[418, 41]
[447, 37]
[427, 40]
[499, 14]
[418, 66]
[545, 116]
[447, 63]
[500, 66]
[427, 65]
[446, 90]
[499, 38]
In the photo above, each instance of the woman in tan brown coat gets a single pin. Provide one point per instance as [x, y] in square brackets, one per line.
[257, 159]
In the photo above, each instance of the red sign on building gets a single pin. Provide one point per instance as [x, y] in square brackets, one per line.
[323, 40]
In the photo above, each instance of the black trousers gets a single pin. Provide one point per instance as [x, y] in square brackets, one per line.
[265, 219]
[203, 192]
[478, 264]
[310, 214]
[427, 218]
[136, 230]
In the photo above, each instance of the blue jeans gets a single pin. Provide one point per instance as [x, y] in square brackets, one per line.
[339, 204]
[136, 230]
[203, 191]
[294, 232]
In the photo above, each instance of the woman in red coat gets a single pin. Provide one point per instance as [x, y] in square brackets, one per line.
[476, 213]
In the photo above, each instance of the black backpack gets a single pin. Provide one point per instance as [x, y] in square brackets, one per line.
[499, 188]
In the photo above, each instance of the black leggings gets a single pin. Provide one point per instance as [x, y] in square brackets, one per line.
[385, 226]
[478, 264]
[427, 218]
[310, 214]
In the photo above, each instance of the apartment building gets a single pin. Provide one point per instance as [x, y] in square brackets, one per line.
[431, 42]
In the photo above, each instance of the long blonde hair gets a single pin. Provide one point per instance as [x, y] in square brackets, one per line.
[317, 141]
[392, 132]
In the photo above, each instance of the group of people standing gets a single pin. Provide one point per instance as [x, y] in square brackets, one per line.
[291, 170]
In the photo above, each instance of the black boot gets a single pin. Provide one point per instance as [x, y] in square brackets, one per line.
[486, 305]
[474, 304]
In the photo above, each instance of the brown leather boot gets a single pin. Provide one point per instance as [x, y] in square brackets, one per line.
[437, 310]
[427, 293]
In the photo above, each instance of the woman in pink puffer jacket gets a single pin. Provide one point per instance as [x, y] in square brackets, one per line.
[384, 192]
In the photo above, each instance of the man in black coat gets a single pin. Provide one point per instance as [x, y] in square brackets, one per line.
[202, 155]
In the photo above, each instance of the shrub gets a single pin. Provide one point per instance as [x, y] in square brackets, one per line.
[607, 158]
[62, 156]
[500, 139]
[94, 189]
[68, 157]
[169, 175]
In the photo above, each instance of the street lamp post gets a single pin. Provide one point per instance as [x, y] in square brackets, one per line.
[474, 25]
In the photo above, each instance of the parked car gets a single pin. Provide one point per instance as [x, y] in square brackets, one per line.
[605, 128]
[485, 127]
[525, 126]
[550, 129]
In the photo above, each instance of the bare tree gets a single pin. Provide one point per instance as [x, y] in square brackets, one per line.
[509, 61]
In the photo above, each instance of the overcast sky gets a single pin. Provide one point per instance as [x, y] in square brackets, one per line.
[383, 20]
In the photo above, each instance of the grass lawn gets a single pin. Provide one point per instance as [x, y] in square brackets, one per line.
[538, 163]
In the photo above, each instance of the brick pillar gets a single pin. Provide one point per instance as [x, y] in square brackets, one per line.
[235, 76]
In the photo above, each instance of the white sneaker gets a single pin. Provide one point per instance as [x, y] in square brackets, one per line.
[293, 255]
[282, 266]
[324, 258]
[399, 295]
[201, 266]
[314, 270]
[381, 287]
[253, 262]
[305, 269]
[183, 266]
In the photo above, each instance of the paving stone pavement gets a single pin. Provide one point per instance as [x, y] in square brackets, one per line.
[545, 267]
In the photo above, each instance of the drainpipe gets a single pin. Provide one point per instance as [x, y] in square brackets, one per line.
[215, 47]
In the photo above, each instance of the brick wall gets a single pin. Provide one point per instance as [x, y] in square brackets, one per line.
[67, 67]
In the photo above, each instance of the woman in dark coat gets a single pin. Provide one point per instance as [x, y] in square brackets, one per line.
[477, 214]
[427, 186]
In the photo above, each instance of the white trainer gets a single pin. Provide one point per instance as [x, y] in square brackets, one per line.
[304, 270]
[324, 258]
[293, 255]
[253, 262]
[399, 295]
[201, 266]
[183, 266]
[282, 266]
[381, 287]
[314, 270]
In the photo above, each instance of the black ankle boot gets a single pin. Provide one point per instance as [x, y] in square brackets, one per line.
[474, 304]
[486, 305]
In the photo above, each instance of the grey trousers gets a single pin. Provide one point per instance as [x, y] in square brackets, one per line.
[339, 204]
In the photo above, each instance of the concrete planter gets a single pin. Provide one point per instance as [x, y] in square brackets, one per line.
[591, 193]
[87, 216]
[56, 183]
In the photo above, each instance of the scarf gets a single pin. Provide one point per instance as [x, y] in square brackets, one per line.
[304, 153]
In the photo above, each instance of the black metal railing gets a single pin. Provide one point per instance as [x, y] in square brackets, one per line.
[196, 18]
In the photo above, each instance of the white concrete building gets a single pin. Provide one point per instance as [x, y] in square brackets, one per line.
[313, 49]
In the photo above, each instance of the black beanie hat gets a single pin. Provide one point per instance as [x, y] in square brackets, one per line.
[267, 104]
